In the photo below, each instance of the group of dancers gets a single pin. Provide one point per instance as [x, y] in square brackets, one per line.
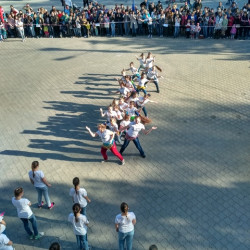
[124, 115]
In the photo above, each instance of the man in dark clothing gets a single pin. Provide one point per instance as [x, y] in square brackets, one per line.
[144, 4]
[119, 22]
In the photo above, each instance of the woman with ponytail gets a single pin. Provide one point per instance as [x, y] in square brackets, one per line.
[124, 225]
[80, 223]
[40, 183]
[79, 195]
[152, 75]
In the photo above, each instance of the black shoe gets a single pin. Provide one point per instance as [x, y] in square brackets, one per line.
[143, 156]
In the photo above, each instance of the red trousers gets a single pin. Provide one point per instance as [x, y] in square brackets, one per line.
[113, 149]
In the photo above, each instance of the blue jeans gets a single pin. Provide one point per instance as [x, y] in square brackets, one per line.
[32, 220]
[150, 29]
[145, 111]
[82, 241]
[43, 191]
[126, 28]
[137, 144]
[128, 238]
[143, 90]
[176, 31]
[112, 29]
[84, 211]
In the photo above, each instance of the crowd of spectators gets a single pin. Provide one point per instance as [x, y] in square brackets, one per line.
[148, 19]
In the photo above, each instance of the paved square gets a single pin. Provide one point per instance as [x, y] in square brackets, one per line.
[192, 190]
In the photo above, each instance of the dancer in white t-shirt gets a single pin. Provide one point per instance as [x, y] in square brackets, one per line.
[25, 214]
[5, 243]
[80, 224]
[108, 142]
[124, 225]
[132, 135]
[79, 195]
[39, 181]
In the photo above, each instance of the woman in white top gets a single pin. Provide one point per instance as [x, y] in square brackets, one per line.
[19, 25]
[79, 195]
[40, 183]
[132, 135]
[108, 142]
[80, 223]
[124, 225]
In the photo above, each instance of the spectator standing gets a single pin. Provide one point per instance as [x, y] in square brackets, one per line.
[39, 181]
[80, 223]
[79, 195]
[124, 225]
[19, 26]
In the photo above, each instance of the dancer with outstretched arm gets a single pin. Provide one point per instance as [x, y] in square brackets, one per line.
[132, 135]
[108, 142]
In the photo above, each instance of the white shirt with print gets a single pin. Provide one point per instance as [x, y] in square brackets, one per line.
[134, 129]
[79, 227]
[39, 175]
[23, 208]
[125, 222]
[78, 196]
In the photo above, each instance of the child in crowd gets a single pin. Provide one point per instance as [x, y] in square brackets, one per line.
[233, 31]
[142, 60]
[109, 113]
[188, 29]
[197, 30]
[79, 195]
[80, 224]
[25, 214]
[40, 183]
[142, 84]
[152, 75]
[192, 30]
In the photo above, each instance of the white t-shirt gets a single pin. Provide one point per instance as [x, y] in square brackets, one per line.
[38, 178]
[123, 106]
[23, 208]
[125, 222]
[134, 129]
[4, 240]
[152, 74]
[20, 24]
[131, 111]
[124, 91]
[2, 228]
[79, 227]
[142, 62]
[134, 70]
[118, 115]
[142, 82]
[110, 114]
[149, 62]
[79, 196]
[105, 136]
[113, 127]
[124, 123]
[141, 102]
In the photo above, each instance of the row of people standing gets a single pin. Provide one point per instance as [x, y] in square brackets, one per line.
[98, 20]
[124, 222]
